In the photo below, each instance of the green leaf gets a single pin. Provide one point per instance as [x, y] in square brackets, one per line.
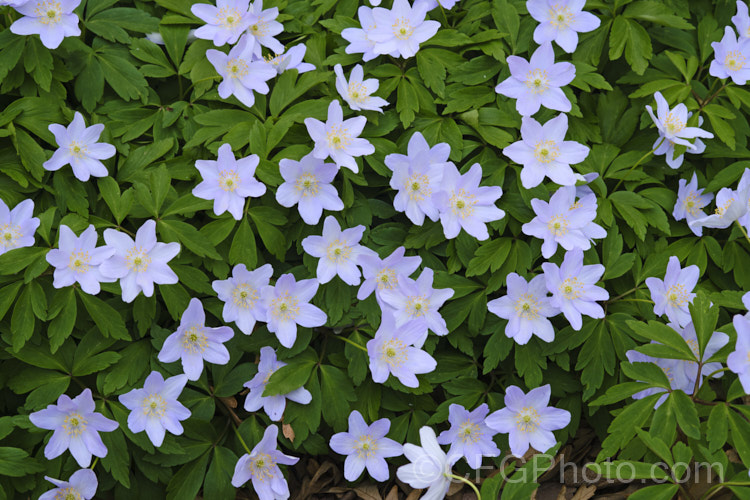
[627, 470]
[121, 75]
[218, 483]
[107, 319]
[704, 316]
[22, 321]
[655, 444]
[273, 239]
[656, 12]
[656, 492]
[15, 462]
[187, 481]
[687, 414]
[740, 432]
[630, 36]
[663, 334]
[243, 249]
[188, 235]
[61, 326]
[618, 393]
[292, 376]
[37, 60]
[337, 391]
[717, 427]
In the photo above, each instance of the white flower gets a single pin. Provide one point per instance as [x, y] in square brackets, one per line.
[78, 147]
[402, 28]
[307, 184]
[241, 296]
[430, 467]
[337, 250]
[77, 260]
[264, 27]
[339, 138]
[356, 92]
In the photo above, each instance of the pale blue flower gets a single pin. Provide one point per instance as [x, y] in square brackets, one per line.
[228, 181]
[417, 302]
[366, 447]
[739, 360]
[52, 20]
[76, 427]
[261, 466]
[469, 435]
[674, 293]
[688, 370]
[264, 27]
[77, 260]
[225, 22]
[241, 296]
[464, 204]
[573, 287]
[383, 274]
[17, 226]
[78, 147]
[537, 82]
[139, 263]
[417, 176]
[272, 405]
[307, 184]
[543, 151]
[561, 21]
[288, 305]
[357, 91]
[339, 138]
[242, 75]
[291, 59]
[677, 378]
[429, 467]
[393, 352]
[338, 251]
[526, 307]
[673, 130]
[741, 20]
[359, 39]
[731, 58]
[155, 408]
[564, 221]
[731, 206]
[690, 203]
[81, 486]
[402, 28]
[194, 342]
[528, 419]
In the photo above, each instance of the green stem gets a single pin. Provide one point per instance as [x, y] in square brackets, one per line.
[743, 230]
[638, 300]
[351, 342]
[244, 445]
[711, 375]
[623, 295]
[472, 485]
[638, 163]
[96, 460]
[714, 489]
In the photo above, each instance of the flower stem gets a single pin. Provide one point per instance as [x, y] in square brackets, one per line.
[472, 485]
[351, 342]
[638, 163]
[96, 460]
[743, 230]
[244, 445]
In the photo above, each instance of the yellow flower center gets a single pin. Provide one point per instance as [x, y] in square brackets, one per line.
[137, 260]
[49, 12]
[546, 151]
[194, 339]
[571, 288]
[307, 184]
[79, 261]
[74, 424]
[527, 306]
[10, 236]
[154, 406]
[387, 279]
[284, 307]
[558, 225]
[338, 137]
[244, 296]
[734, 61]
[527, 420]
[462, 203]
[677, 295]
[537, 81]
[402, 28]
[394, 353]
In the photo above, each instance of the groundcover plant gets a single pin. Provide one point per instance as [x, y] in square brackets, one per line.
[337, 249]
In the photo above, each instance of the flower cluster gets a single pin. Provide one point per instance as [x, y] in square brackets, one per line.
[430, 185]
[527, 419]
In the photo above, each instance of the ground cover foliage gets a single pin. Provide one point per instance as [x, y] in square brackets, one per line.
[162, 112]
